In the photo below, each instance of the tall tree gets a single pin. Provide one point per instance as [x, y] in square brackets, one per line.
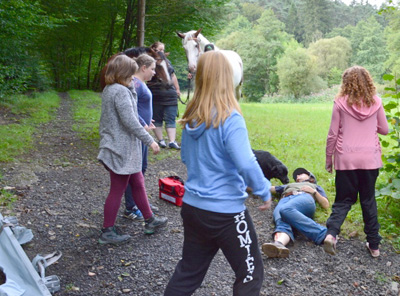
[141, 22]
[331, 53]
[392, 33]
[20, 67]
[259, 47]
[316, 20]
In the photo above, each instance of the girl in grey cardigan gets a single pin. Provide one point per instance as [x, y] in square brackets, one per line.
[121, 135]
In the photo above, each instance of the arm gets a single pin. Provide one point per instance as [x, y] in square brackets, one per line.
[124, 106]
[332, 138]
[318, 197]
[238, 148]
[176, 84]
[383, 127]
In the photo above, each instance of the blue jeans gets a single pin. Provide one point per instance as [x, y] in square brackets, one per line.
[297, 212]
[166, 113]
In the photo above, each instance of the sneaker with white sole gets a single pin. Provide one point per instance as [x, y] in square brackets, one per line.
[110, 235]
[154, 208]
[134, 214]
[174, 145]
[162, 144]
[154, 223]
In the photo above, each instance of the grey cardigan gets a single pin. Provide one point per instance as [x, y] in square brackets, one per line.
[121, 133]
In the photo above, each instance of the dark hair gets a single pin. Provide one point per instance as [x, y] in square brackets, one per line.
[136, 51]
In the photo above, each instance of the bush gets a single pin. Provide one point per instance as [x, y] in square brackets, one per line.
[297, 73]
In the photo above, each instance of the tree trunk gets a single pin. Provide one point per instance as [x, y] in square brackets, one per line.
[141, 21]
[89, 66]
[106, 52]
[128, 23]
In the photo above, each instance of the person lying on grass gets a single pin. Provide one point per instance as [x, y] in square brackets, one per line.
[295, 211]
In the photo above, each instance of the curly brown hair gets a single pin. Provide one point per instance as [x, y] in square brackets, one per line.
[358, 86]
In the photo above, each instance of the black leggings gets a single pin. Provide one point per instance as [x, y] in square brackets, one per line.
[349, 185]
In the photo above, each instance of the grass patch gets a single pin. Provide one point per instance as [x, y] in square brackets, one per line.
[31, 111]
[7, 199]
[86, 114]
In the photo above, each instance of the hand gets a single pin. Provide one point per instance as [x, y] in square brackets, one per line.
[266, 205]
[190, 76]
[151, 127]
[179, 93]
[328, 167]
[307, 189]
[154, 146]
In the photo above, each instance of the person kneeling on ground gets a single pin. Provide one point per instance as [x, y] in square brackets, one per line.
[295, 210]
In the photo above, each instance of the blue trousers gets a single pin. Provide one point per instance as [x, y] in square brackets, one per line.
[297, 212]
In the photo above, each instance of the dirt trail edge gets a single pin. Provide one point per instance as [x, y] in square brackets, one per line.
[62, 188]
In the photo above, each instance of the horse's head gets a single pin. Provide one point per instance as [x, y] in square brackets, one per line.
[162, 72]
[191, 43]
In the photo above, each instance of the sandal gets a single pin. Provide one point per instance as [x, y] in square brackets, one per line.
[374, 253]
[330, 244]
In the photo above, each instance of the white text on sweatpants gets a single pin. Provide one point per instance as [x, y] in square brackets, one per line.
[245, 242]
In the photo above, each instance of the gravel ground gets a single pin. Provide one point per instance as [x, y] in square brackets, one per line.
[62, 188]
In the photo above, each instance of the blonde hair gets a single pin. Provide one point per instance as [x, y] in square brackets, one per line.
[214, 97]
[145, 60]
[358, 86]
[120, 70]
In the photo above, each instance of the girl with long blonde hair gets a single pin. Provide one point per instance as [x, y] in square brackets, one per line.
[220, 165]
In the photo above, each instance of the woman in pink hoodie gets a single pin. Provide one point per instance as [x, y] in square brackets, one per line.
[357, 118]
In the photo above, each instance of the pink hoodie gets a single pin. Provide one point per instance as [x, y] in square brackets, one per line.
[353, 135]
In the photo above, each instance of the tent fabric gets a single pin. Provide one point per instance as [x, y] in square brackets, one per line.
[21, 276]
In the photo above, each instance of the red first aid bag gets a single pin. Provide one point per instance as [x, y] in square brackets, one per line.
[172, 189]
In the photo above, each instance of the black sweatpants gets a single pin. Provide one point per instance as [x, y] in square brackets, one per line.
[349, 184]
[205, 233]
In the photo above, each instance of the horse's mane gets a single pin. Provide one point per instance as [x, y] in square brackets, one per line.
[134, 52]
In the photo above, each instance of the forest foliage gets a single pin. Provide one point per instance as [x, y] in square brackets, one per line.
[64, 44]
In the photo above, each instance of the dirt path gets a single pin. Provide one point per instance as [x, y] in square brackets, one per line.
[62, 188]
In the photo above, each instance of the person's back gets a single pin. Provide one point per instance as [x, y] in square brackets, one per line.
[357, 144]
[220, 165]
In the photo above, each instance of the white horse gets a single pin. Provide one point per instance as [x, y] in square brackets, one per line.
[195, 43]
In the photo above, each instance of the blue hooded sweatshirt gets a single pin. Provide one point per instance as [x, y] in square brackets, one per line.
[220, 166]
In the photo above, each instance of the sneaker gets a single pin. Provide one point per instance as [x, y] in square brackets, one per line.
[154, 208]
[275, 250]
[134, 214]
[162, 144]
[374, 253]
[174, 145]
[330, 244]
[110, 235]
[153, 223]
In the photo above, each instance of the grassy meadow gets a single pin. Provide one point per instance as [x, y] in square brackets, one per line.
[293, 132]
